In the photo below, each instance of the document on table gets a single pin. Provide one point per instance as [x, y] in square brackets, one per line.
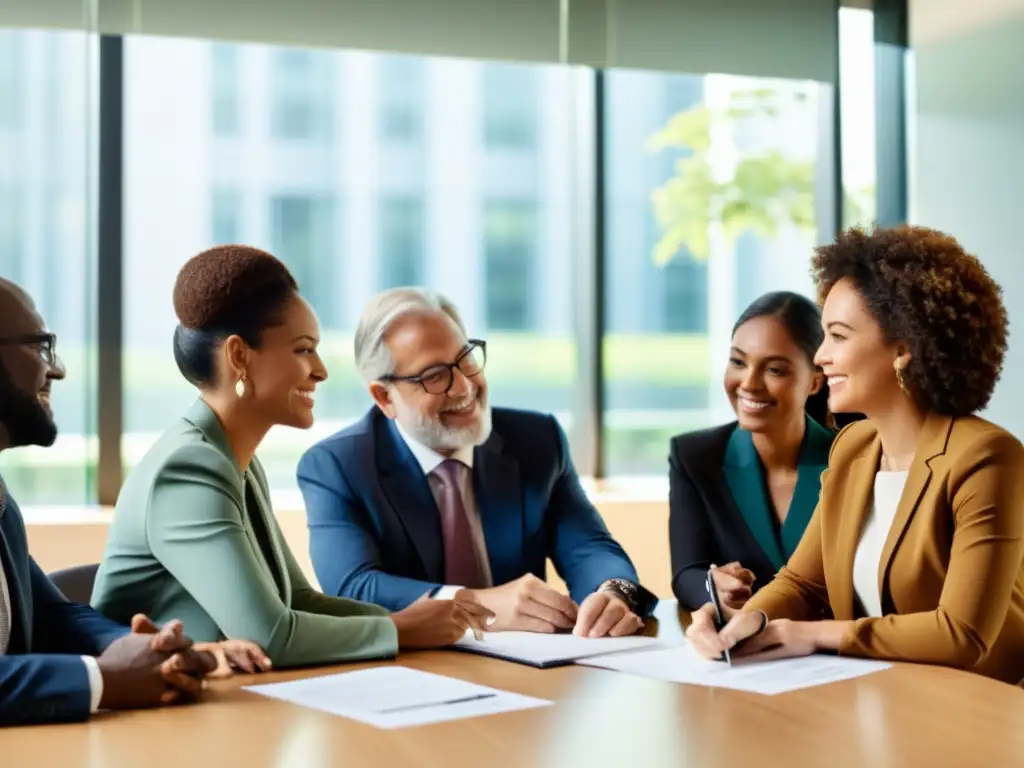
[682, 664]
[549, 650]
[396, 697]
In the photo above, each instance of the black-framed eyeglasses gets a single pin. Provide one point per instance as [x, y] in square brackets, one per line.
[45, 342]
[438, 379]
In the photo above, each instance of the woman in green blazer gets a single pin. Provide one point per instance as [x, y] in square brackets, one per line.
[194, 535]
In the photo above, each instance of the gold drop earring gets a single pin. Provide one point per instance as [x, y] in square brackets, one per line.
[899, 377]
[240, 386]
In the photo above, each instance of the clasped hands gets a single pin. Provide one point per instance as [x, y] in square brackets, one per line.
[161, 665]
[529, 604]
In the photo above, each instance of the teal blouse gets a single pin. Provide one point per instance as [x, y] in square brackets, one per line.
[746, 480]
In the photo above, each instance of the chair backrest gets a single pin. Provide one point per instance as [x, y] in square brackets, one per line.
[76, 583]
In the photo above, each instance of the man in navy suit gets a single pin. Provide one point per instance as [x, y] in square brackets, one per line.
[433, 493]
[60, 661]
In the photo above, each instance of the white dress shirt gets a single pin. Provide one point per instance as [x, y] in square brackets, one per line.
[429, 460]
[92, 668]
[886, 498]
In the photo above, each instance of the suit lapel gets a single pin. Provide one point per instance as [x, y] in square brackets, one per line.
[408, 492]
[745, 479]
[499, 497]
[932, 442]
[256, 481]
[12, 526]
[203, 418]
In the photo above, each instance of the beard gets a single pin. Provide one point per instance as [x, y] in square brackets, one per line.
[26, 420]
[432, 433]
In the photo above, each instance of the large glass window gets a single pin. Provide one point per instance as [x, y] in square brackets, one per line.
[301, 94]
[711, 192]
[350, 210]
[401, 242]
[857, 105]
[510, 106]
[226, 104]
[47, 85]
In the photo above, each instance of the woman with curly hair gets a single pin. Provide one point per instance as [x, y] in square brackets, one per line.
[915, 551]
[194, 534]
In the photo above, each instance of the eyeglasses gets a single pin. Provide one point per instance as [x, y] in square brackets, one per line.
[438, 379]
[46, 342]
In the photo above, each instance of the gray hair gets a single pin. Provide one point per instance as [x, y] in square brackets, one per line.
[373, 358]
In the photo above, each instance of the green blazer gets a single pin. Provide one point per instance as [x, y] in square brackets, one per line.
[194, 538]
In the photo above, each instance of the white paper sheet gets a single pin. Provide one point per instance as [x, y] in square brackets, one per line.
[541, 649]
[683, 665]
[396, 697]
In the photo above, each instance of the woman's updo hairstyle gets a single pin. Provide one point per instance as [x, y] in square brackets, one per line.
[226, 291]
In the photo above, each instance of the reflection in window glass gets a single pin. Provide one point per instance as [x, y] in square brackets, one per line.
[349, 209]
[401, 242]
[510, 106]
[226, 102]
[711, 191]
[401, 98]
[302, 236]
[226, 227]
[47, 84]
[511, 232]
[302, 102]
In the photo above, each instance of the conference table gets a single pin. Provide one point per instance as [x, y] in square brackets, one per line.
[906, 716]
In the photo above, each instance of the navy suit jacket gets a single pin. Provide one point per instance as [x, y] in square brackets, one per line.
[375, 530]
[42, 677]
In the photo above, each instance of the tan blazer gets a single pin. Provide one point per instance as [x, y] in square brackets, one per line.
[950, 576]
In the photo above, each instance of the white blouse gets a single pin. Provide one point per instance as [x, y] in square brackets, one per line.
[888, 489]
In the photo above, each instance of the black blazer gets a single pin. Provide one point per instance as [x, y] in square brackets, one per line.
[719, 508]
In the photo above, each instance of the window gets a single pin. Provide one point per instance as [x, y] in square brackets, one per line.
[302, 102]
[682, 256]
[226, 96]
[12, 231]
[510, 106]
[401, 98]
[402, 241]
[857, 108]
[12, 78]
[45, 190]
[302, 236]
[226, 227]
[510, 229]
[345, 219]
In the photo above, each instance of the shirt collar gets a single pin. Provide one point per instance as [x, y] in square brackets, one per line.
[428, 458]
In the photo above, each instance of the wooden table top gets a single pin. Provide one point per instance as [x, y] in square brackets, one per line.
[906, 716]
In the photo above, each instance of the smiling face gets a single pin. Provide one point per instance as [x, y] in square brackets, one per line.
[858, 361]
[443, 421]
[284, 371]
[768, 378]
[25, 373]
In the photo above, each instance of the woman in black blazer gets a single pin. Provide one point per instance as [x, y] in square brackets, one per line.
[741, 494]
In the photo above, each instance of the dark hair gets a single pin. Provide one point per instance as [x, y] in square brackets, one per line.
[802, 320]
[225, 291]
[925, 291]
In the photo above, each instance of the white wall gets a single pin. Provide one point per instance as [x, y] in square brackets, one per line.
[967, 150]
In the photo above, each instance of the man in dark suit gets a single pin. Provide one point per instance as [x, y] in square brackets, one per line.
[60, 661]
[433, 493]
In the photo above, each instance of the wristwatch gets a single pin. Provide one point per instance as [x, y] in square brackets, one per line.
[627, 590]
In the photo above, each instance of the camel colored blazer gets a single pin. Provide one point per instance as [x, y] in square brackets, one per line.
[950, 576]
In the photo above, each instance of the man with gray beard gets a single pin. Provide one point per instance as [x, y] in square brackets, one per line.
[435, 493]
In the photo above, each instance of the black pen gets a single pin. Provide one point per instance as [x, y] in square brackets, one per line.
[719, 615]
[407, 707]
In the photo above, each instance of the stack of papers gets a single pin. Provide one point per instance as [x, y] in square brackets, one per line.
[683, 665]
[549, 650]
[396, 697]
